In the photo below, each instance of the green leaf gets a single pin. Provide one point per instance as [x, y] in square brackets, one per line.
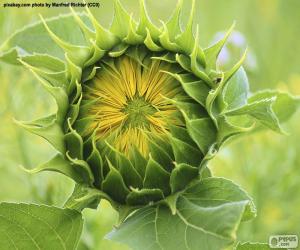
[207, 216]
[284, 106]
[60, 165]
[227, 130]
[260, 110]
[217, 191]
[235, 93]
[254, 246]
[84, 197]
[34, 38]
[48, 129]
[28, 226]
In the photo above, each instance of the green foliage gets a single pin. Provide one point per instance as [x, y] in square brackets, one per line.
[219, 108]
[24, 226]
[200, 208]
[254, 246]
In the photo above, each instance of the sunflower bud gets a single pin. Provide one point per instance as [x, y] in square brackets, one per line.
[141, 109]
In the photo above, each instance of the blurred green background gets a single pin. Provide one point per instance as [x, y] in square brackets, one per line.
[265, 164]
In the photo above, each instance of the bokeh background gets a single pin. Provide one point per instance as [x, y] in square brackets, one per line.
[265, 164]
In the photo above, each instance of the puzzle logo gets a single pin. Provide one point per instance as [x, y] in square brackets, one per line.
[283, 241]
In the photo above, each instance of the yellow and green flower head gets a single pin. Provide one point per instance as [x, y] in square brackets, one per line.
[141, 109]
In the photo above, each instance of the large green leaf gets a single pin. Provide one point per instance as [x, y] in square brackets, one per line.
[284, 106]
[254, 246]
[24, 226]
[35, 38]
[207, 216]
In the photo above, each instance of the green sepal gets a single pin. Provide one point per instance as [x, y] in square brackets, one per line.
[74, 74]
[73, 113]
[195, 66]
[194, 87]
[185, 153]
[89, 73]
[129, 174]
[74, 143]
[77, 93]
[228, 74]
[212, 53]
[58, 93]
[173, 24]
[118, 50]
[160, 156]
[83, 167]
[95, 162]
[60, 165]
[181, 134]
[181, 176]
[48, 67]
[235, 92]
[165, 41]
[211, 104]
[156, 177]
[191, 110]
[164, 143]
[97, 55]
[47, 128]
[150, 44]
[88, 33]
[77, 54]
[166, 57]
[114, 185]
[105, 39]
[184, 61]
[137, 53]
[144, 196]
[82, 125]
[121, 21]
[133, 38]
[261, 110]
[186, 39]
[139, 161]
[84, 197]
[203, 132]
[146, 24]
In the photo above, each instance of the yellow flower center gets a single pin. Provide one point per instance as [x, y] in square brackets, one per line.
[132, 103]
